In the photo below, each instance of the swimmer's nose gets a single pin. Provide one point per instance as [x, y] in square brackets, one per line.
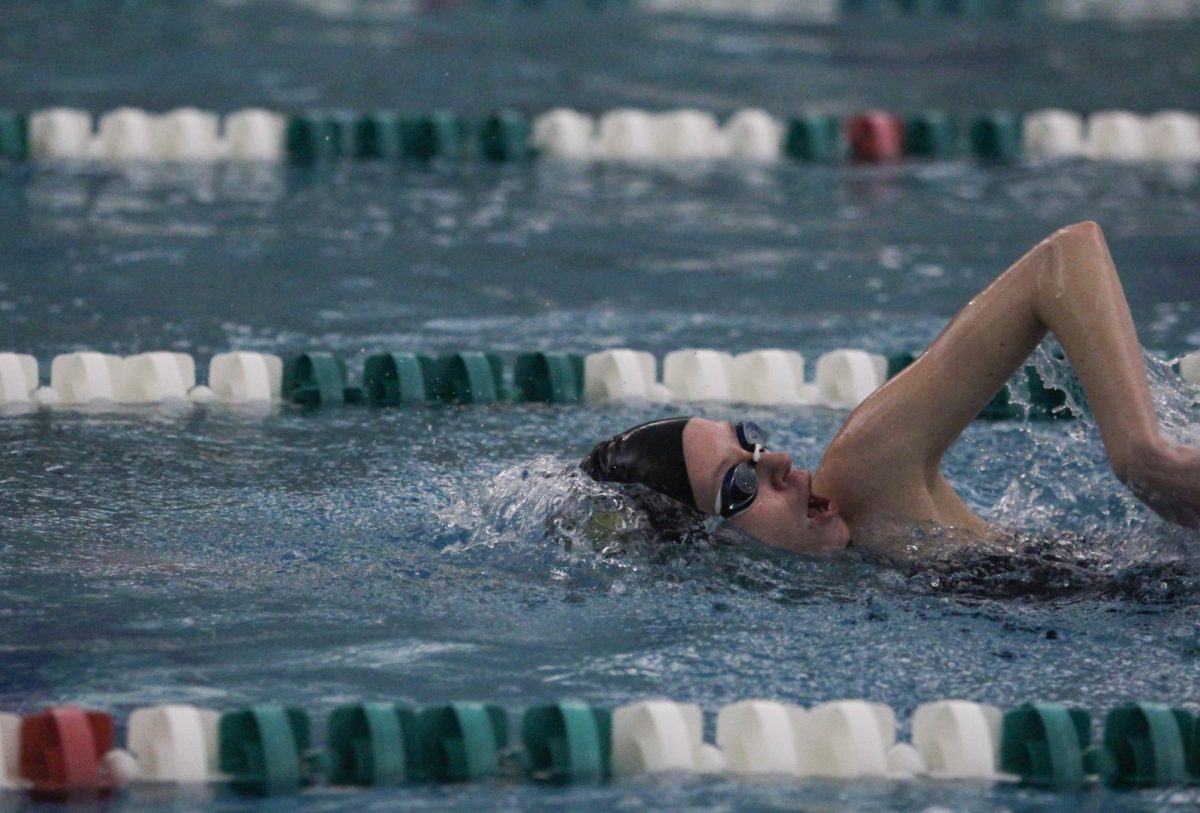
[775, 466]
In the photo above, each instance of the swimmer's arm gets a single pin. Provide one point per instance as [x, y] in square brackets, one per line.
[1066, 284]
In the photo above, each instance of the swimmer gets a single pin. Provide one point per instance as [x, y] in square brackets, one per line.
[884, 465]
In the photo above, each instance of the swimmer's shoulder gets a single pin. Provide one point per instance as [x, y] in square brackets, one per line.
[897, 537]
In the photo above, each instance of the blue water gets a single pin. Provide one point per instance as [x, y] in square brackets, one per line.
[223, 557]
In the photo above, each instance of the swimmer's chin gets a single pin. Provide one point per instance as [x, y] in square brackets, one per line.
[820, 535]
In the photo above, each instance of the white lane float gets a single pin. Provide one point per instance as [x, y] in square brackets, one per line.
[699, 375]
[1053, 133]
[753, 135]
[564, 133]
[187, 134]
[846, 377]
[687, 135]
[656, 736]
[958, 739]
[616, 375]
[1173, 135]
[1189, 368]
[1117, 135]
[762, 737]
[173, 743]
[254, 134]
[18, 378]
[124, 134]
[626, 135]
[151, 378]
[242, 377]
[771, 377]
[60, 133]
[83, 378]
[852, 738]
[10, 752]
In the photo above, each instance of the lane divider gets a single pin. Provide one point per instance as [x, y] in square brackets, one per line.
[319, 137]
[770, 377]
[69, 753]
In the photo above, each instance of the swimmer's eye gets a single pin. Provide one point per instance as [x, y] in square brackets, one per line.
[738, 489]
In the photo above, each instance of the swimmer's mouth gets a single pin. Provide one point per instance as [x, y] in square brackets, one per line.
[819, 506]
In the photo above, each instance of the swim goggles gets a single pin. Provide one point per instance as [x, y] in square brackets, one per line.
[739, 486]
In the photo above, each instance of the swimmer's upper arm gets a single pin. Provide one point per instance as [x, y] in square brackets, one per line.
[897, 436]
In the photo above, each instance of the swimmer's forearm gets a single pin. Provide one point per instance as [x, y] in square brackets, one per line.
[1078, 297]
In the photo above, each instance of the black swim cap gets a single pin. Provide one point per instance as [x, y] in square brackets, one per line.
[650, 454]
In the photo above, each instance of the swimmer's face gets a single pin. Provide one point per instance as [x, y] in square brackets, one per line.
[785, 514]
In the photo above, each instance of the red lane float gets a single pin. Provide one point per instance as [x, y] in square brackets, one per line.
[61, 749]
[875, 137]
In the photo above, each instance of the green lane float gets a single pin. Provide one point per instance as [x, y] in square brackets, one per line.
[396, 379]
[568, 742]
[14, 143]
[1051, 402]
[552, 378]
[897, 362]
[506, 136]
[460, 742]
[379, 135]
[1045, 402]
[1147, 745]
[1045, 745]
[996, 136]
[1001, 407]
[440, 135]
[262, 748]
[318, 379]
[814, 138]
[318, 137]
[466, 378]
[372, 744]
[932, 134]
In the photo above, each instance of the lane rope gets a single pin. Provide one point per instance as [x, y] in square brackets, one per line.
[625, 135]
[842, 379]
[68, 752]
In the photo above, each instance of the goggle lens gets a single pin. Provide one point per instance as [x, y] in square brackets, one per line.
[739, 488]
[750, 435]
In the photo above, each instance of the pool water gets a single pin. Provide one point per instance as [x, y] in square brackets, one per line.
[221, 557]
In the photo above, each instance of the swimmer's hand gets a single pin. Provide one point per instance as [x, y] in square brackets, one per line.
[1166, 477]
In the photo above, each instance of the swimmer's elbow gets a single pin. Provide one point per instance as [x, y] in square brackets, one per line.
[1084, 227]
[1085, 231]
[1078, 247]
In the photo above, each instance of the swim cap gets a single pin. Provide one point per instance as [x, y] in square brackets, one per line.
[650, 454]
